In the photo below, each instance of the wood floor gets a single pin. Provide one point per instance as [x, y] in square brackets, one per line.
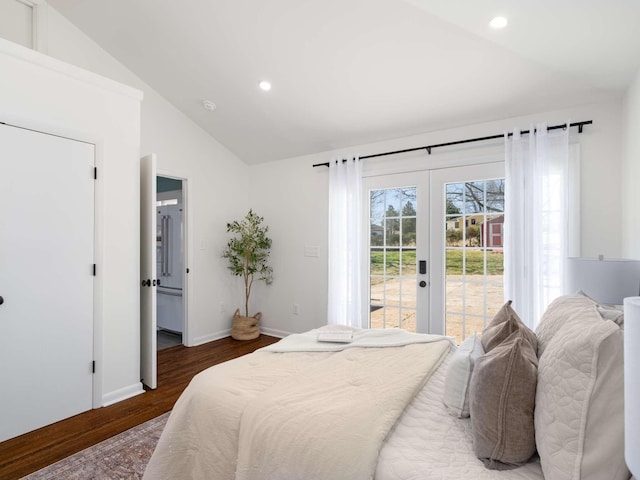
[176, 366]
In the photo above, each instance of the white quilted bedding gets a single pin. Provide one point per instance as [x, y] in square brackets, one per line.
[429, 444]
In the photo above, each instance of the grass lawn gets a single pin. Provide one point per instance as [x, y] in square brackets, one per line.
[474, 262]
[393, 262]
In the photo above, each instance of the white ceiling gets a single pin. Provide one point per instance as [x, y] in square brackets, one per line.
[348, 72]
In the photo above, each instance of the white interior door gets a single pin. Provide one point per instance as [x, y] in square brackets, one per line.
[46, 279]
[467, 216]
[148, 277]
[398, 273]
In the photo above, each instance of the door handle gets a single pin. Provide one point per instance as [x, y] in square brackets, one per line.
[1, 300]
[146, 283]
[422, 267]
[423, 283]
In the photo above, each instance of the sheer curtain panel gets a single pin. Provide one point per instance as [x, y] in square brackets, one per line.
[536, 219]
[345, 243]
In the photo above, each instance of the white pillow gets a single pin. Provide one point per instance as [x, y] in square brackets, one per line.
[579, 414]
[557, 314]
[613, 313]
[456, 388]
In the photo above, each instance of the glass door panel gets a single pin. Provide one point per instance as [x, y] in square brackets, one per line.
[393, 249]
[467, 215]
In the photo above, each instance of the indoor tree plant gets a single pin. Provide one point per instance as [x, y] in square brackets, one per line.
[248, 255]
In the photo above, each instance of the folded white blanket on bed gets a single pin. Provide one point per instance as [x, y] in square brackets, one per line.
[371, 338]
[292, 416]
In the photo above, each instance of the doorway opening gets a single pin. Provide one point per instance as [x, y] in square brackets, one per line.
[170, 261]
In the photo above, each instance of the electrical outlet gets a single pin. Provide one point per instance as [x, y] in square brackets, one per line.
[296, 309]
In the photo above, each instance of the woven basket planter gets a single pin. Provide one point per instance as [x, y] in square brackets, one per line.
[245, 328]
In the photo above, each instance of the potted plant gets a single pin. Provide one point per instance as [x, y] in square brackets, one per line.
[248, 254]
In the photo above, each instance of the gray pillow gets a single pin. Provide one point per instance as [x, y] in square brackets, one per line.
[497, 332]
[503, 314]
[501, 401]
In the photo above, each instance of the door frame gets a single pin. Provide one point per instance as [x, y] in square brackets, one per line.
[186, 250]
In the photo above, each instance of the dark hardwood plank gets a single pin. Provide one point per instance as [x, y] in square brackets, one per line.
[176, 367]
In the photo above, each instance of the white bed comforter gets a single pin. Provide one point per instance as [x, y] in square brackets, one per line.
[298, 415]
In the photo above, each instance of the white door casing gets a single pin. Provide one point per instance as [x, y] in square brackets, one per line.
[46, 278]
[148, 277]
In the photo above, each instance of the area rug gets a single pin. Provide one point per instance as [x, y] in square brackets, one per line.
[124, 456]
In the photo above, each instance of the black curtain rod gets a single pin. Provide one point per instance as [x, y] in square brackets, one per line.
[460, 142]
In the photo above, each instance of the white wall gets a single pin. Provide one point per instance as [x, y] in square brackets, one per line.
[216, 187]
[44, 94]
[631, 171]
[292, 196]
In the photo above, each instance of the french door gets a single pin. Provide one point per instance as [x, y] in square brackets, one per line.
[466, 248]
[397, 243]
[434, 249]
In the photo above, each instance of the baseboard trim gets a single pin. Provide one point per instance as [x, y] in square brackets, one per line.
[274, 333]
[227, 333]
[122, 394]
[211, 337]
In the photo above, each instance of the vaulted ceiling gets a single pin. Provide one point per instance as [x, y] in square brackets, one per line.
[348, 72]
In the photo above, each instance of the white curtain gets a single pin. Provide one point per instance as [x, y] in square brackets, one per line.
[345, 243]
[536, 219]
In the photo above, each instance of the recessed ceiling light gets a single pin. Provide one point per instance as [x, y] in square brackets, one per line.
[264, 85]
[209, 105]
[498, 22]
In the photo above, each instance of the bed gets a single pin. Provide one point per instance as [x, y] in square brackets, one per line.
[383, 406]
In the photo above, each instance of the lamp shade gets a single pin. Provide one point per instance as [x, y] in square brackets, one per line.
[607, 281]
[632, 384]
